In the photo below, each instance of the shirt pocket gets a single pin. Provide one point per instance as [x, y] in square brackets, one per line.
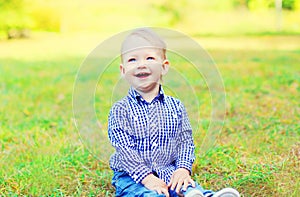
[138, 127]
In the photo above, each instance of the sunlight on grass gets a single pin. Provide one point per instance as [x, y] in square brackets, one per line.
[257, 151]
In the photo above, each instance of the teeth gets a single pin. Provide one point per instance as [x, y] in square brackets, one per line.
[142, 74]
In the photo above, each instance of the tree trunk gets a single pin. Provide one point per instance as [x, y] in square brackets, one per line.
[278, 5]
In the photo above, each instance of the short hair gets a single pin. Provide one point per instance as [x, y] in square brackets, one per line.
[148, 35]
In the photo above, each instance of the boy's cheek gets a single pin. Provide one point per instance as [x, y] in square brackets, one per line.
[128, 67]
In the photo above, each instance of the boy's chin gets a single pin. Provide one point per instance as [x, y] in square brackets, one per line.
[147, 87]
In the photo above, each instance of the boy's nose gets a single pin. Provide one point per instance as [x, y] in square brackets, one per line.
[142, 64]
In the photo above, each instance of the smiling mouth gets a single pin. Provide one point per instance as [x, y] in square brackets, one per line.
[142, 75]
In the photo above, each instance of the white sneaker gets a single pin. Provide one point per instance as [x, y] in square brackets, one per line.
[227, 192]
[194, 193]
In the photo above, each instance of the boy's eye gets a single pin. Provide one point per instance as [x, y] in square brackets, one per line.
[150, 58]
[132, 60]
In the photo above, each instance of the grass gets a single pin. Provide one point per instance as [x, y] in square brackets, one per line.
[258, 151]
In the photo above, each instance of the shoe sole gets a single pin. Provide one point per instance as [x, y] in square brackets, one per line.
[227, 192]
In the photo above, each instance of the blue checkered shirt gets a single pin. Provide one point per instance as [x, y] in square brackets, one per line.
[151, 137]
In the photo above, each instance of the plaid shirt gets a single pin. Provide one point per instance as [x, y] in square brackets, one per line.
[151, 137]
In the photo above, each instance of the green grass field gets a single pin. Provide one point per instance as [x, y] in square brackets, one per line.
[257, 152]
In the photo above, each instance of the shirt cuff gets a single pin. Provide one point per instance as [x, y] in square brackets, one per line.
[184, 164]
[140, 173]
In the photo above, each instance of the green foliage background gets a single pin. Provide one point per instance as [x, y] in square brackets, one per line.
[254, 16]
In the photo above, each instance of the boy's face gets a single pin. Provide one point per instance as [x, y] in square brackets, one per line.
[143, 68]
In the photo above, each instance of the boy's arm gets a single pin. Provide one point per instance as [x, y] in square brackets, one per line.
[185, 156]
[124, 144]
[181, 177]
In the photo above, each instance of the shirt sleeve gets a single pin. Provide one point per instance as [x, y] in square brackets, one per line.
[186, 147]
[123, 142]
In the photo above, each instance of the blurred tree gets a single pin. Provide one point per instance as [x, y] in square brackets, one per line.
[240, 3]
[174, 9]
[288, 4]
[265, 4]
[14, 19]
[17, 5]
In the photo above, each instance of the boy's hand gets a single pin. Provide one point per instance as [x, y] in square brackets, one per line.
[181, 177]
[153, 183]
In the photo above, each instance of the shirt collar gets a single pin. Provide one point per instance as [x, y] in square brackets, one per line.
[135, 96]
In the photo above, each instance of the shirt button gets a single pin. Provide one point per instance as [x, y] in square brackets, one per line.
[152, 125]
[174, 115]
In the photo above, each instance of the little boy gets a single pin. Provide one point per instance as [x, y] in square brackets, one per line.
[149, 130]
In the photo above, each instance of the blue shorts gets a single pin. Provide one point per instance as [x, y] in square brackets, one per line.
[126, 186]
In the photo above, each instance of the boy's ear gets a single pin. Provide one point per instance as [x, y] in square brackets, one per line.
[165, 66]
[122, 70]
